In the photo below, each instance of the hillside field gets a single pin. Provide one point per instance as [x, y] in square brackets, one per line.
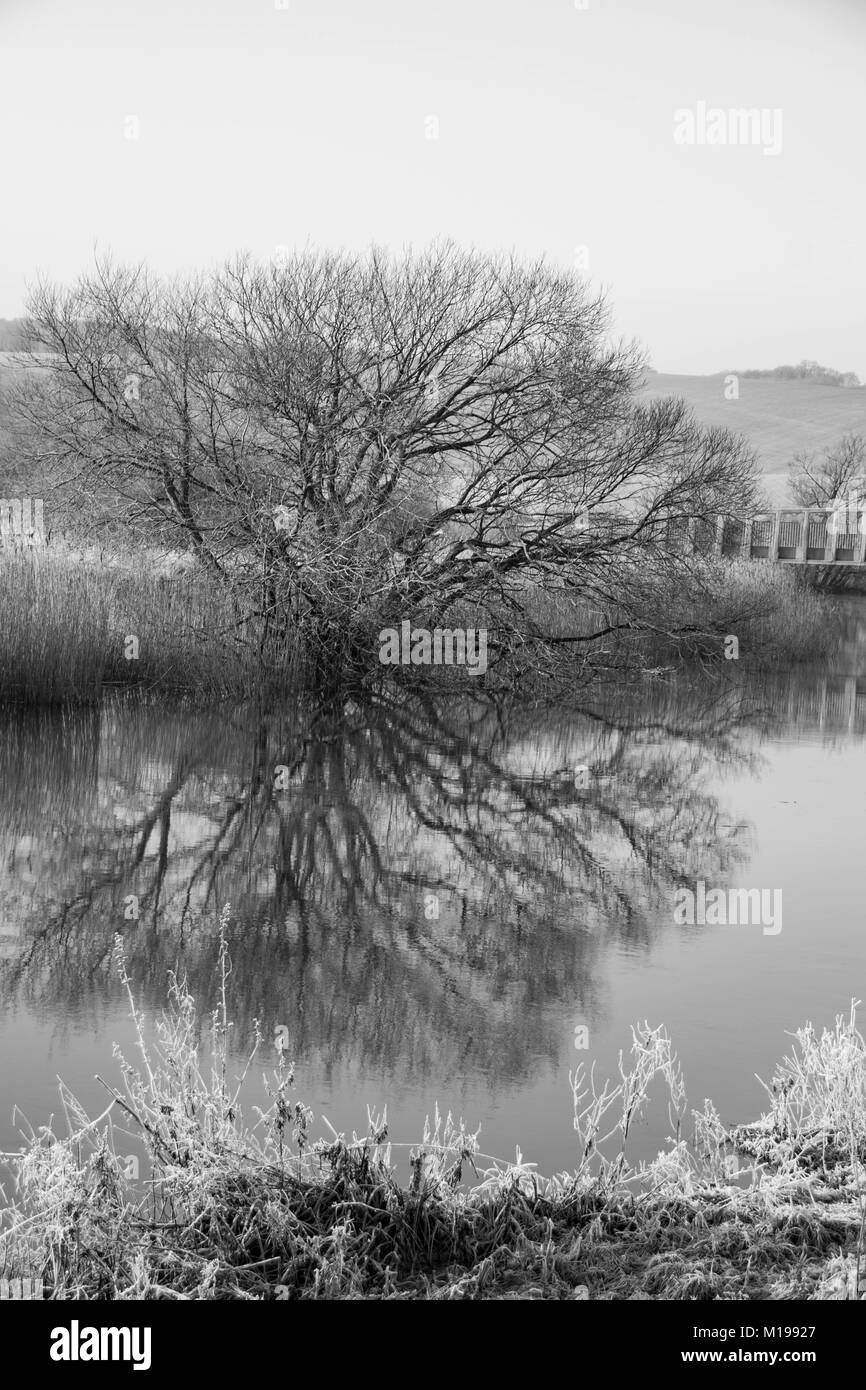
[779, 418]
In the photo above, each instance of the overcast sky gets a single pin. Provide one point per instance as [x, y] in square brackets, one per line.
[260, 127]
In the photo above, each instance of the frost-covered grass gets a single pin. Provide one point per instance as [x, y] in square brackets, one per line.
[254, 1209]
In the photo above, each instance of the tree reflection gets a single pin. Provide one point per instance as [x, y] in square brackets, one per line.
[416, 883]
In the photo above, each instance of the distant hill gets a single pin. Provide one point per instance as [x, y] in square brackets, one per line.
[780, 411]
[779, 416]
[13, 337]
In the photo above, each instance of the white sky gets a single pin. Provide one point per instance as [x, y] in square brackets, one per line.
[262, 127]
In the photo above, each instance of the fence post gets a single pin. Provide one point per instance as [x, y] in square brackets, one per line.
[804, 539]
[33, 521]
[830, 536]
[773, 552]
[10, 519]
[747, 539]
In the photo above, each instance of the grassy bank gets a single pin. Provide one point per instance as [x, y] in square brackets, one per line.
[257, 1210]
[73, 625]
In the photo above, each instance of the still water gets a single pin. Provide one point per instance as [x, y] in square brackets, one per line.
[427, 903]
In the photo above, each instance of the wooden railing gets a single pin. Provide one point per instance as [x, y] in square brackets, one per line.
[22, 521]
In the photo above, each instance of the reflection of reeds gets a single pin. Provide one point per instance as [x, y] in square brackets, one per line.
[239, 1211]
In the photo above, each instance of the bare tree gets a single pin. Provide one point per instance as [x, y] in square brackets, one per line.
[834, 476]
[348, 440]
[836, 480]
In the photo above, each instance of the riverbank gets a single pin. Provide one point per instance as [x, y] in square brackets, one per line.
[75, 624]
[775, 1210]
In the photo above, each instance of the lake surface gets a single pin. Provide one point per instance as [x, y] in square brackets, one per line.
[427, 903]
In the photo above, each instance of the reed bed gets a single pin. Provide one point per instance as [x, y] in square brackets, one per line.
[775, 615]
[66, 621]
[67, 617]
[256, 1209]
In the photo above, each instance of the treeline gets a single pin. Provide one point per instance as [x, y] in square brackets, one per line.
[806, 371]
